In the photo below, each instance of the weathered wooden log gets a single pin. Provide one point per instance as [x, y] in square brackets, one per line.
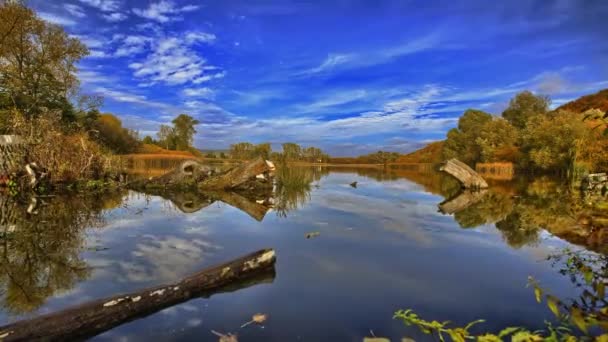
[192, 174]
[464, 174]
[259, 170]
[461, 201]
[94, 317]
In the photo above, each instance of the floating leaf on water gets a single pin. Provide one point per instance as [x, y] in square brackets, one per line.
[257, 318]
[225, 337]
[376, 339]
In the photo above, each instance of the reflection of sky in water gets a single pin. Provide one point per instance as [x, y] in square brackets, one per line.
[382, 246]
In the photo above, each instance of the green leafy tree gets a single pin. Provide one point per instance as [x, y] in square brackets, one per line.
[524, 106]
[461, 142]
[148, 140]
[166, 137]
[184, 130]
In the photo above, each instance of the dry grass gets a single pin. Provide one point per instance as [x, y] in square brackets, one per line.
[149, 149]
[498, 170]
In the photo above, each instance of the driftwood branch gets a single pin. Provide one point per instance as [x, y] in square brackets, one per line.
[464, 174]
[94, 317]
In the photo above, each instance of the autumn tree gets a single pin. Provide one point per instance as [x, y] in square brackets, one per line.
[498, 141]
[37, 63]
[292, 151]
[263, 150]
[524, 106]
[112, 135]
[554, 141]
[461, 142]
[245, 150]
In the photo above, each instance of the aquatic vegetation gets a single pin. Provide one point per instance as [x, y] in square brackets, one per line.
[583, 318]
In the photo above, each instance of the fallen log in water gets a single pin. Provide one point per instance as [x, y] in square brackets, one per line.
[243, 176]
[191, 174]
[464, 174]
[94, 317]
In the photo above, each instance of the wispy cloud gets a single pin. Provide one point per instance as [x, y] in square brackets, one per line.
[131, 45]
[374, 57]
[56, 19]
[206, 93]
[103, 5]
[75, 10]
[115, 17]
[164, 11]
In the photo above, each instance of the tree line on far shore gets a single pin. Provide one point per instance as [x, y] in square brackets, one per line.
[532, 137]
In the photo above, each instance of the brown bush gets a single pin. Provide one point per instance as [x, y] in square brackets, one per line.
[67, 156]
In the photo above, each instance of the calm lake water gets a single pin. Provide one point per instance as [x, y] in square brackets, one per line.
[382, 246]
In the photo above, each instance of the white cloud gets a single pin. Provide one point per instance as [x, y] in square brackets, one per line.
[203, 37]
[207, 78]
[173, 61]
[131, 45]
[164, 11]
[98, 54]
[115, 17]
[199, 92]
[56, 19]
[103, 5]
[75, 10]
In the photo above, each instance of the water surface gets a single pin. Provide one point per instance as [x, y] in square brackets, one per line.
[382, 246]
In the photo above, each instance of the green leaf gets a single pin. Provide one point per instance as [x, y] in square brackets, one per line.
[552, 304]
[538, 293]
[508, 331]
[600, 288]
[588, 276]
[606, 132]
[577, 318]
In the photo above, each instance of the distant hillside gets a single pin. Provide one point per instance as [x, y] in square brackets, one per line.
[431, 153]
[598, 100]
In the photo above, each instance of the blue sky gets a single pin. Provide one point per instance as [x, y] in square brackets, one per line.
[349, 76]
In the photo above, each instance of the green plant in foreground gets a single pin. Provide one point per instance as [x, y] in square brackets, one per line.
[579, 319]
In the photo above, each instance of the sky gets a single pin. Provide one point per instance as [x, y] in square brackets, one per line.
[351, 77]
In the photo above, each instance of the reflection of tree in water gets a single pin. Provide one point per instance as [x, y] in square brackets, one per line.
[40, 252]
[540, 204]
[492, 208]
[293, 186]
